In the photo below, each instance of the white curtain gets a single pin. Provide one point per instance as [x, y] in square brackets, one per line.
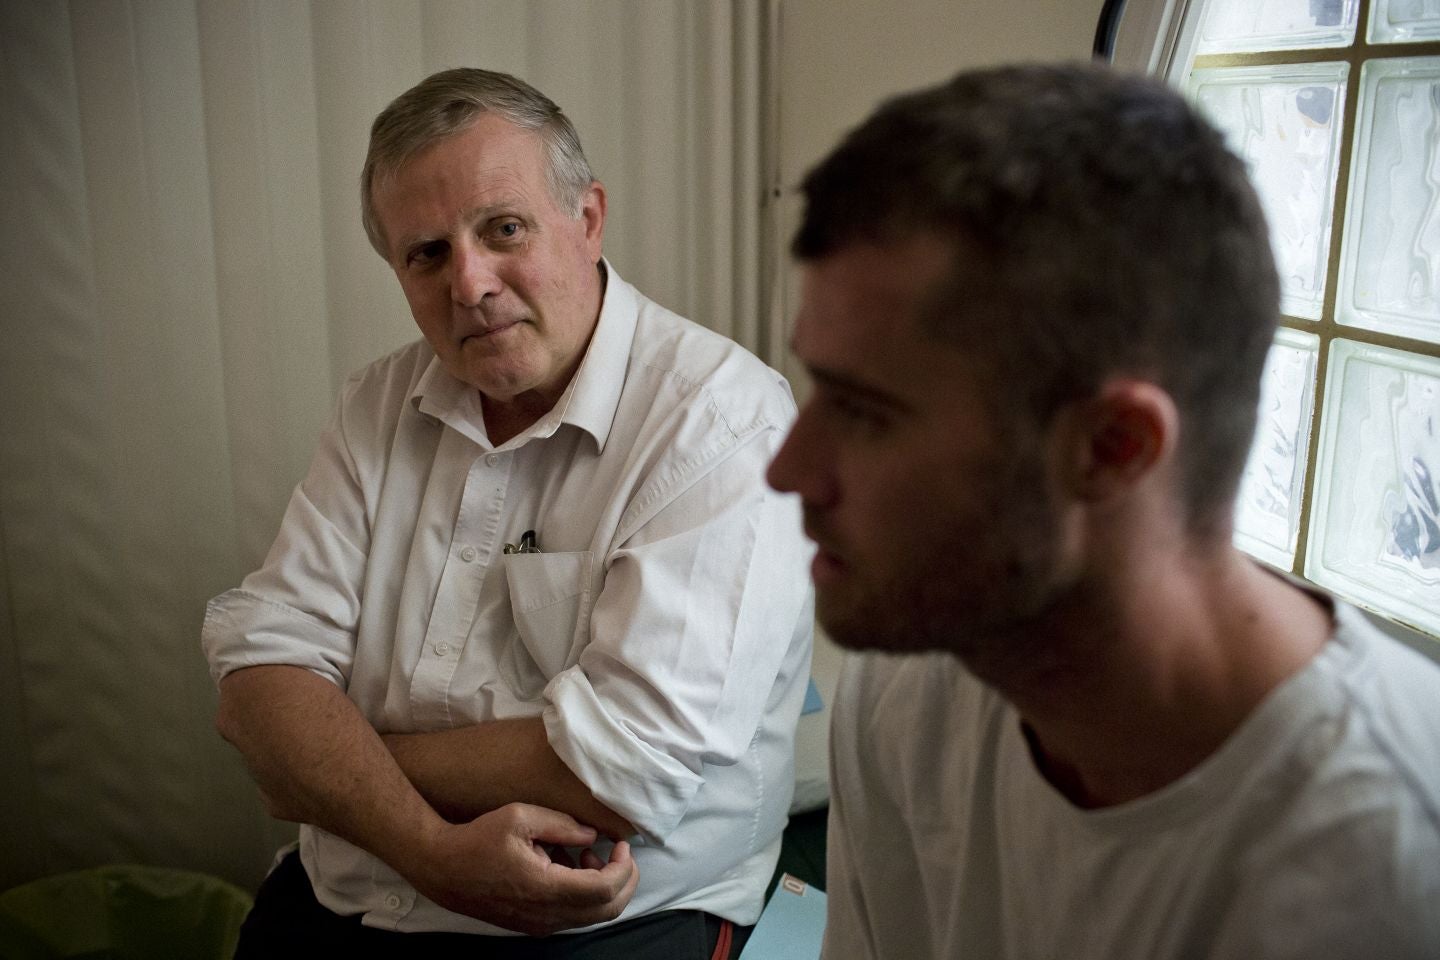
[185, 285]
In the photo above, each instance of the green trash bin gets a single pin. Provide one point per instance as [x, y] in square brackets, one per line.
[124, 913]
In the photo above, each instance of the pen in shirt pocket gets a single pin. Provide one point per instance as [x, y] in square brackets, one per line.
[526, 545]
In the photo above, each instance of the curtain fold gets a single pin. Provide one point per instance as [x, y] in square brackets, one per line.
[187, 284]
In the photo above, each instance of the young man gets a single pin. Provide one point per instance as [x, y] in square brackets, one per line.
[533, 591]
[1036, 306]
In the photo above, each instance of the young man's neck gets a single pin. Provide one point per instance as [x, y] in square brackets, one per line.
[1167, 662]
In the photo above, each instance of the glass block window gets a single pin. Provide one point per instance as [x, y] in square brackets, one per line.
[1335, 107]
[1267, 516]
[1234, 25]
[1285, 122]
[1390, 268]
[1405, 21]
[1375, 527]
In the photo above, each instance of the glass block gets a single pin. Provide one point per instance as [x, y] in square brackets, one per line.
[1390, 258]
[1375, 526]
[1235, 26]
[1267, 512]
[1404, 21]
[1285, 121]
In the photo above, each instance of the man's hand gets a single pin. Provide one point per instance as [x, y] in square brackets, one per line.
[316, 760]
[496, 868]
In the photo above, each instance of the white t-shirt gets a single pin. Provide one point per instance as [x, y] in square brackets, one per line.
[663, 631]
[1313, 832]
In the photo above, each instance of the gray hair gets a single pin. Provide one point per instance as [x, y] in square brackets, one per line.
[1099, 227]
[447, 102]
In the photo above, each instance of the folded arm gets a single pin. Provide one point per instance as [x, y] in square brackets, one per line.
[318, 761]
[688, 634]
[469, 771]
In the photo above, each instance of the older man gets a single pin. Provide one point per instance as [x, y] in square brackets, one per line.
[1036, 306]
[533, 597]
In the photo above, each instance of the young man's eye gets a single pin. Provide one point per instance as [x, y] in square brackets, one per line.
[857, 414]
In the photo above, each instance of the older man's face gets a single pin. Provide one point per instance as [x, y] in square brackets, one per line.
[502, 282]
[934, 521]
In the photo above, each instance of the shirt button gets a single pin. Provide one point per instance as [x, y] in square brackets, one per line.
[491, 460]
[468, 554]
[442, 648]
[393, 901]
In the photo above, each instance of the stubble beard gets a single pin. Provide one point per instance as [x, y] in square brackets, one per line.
[977, 593]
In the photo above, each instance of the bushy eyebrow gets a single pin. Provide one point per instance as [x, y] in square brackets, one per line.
[506, 205]
[848, 385]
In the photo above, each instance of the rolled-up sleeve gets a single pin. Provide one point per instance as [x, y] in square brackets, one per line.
[243, 629]
[302, 606]
[699, 609]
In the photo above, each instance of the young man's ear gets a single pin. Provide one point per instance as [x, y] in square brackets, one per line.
[1116, 439]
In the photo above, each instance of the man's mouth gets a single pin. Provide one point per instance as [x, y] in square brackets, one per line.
[826, 567]
[827, 564]
[491, 331]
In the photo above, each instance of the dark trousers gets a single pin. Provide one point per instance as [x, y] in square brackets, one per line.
[287, 921]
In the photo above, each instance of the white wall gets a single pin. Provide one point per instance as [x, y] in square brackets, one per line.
[841, 57]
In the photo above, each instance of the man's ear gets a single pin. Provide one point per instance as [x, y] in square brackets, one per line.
[1117, 438]
[592, 211]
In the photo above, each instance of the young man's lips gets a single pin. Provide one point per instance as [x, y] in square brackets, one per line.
[826, 567]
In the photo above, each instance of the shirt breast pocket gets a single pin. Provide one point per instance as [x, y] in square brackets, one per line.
[550, 600]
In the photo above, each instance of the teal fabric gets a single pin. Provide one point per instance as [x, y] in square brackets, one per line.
[122, 913]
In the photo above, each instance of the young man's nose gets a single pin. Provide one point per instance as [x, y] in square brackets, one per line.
[802, 466]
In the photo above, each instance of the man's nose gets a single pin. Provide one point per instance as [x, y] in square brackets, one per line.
[473, 275]
[803, 466]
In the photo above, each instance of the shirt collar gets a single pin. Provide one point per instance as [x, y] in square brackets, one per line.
[590, 399]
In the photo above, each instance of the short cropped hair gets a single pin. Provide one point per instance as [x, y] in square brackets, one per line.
[1099, 228]
[446, 103]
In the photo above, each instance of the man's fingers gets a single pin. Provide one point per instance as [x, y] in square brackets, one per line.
[607, 886]
[550, 826]
[508, 867]
[562, 856]
[632, 874]
[621, 853]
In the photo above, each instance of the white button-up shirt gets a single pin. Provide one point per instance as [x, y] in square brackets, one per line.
[663, 631]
